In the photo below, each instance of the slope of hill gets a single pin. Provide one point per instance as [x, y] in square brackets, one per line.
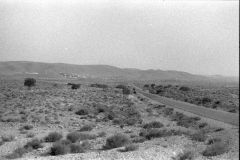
[58, 70]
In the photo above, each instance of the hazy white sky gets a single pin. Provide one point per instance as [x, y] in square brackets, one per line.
[196, 37]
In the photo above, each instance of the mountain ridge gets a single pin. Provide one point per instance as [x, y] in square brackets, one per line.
[100, 71]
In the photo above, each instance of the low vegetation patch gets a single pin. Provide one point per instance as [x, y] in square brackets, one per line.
[117, 140]
[53, 137]
[33, 144]
[154, 124]
[215, 149]
[82, 112]
[17, 153]
[185, 155]
[130, 147]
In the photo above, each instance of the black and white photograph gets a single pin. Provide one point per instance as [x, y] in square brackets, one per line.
[119, 79]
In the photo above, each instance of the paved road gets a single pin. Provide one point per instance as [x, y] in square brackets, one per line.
[226, 117]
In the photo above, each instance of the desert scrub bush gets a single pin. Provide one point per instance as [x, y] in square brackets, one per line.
[154, 124]
[87, 127]
[130, 147]
[76, 148]
[33, 144]
[102, 134]
[53, 137]
[132, 121]
[185, 155]
[213, 140]
[168, 111]
[206, 100]
[82, 112]
[215, 149]
[29, 82]
[154, 133]
[184, 88]
[59, 149]
[96, 85]
[138, 139]
[117, 140]
[17, 153]
[8, 138]
[202, 125]
[27, 127]
[199, 136]
[77, 136]
[187, 122]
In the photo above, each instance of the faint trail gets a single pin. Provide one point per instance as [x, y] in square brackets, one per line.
[221, 116]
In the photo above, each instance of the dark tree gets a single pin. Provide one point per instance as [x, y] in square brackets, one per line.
[29, 82]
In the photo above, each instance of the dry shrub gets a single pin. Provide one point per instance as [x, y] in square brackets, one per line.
[82, 112]
[199, 136]
[215, 149]
[17, 153]
[117, 140]
[59, 149]
[53, 137]
[186, 155]
[154, 124]
[33, 144]
[87, 127]
[8, 138]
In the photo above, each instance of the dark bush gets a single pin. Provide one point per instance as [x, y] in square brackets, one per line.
[154, 124]
[53, 137]
[33, 144]
[27, 127]
[184, 88]
[168, 111]
[75, 86]
[29, 82]
[126, 91]
[115, 141]
[213, 140]
[76, 148]
[155, 133]
[82, 112]
[206, 100]
[87, 127]
[59, 149]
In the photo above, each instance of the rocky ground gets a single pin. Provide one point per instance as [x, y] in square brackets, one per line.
[27, 114]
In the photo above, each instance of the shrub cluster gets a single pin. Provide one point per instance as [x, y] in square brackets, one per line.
[154, 124]
[117, 140]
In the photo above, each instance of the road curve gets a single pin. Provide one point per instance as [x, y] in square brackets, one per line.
[226, 117]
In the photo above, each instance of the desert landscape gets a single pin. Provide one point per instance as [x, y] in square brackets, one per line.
[119, 80]
[76, 118]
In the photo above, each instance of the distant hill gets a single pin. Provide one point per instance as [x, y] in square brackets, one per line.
[61, 70]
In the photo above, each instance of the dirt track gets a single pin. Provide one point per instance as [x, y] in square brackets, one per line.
[222, 116]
